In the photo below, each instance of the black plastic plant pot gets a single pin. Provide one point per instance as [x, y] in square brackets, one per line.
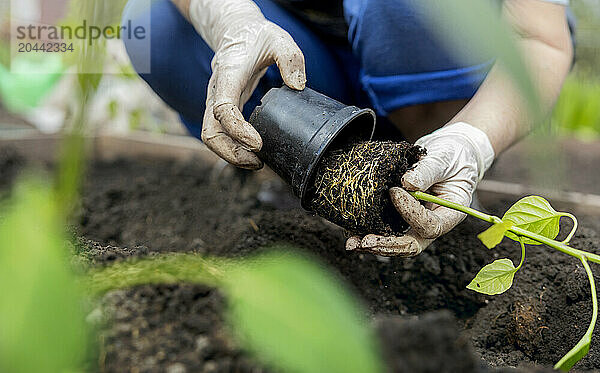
[299, 127]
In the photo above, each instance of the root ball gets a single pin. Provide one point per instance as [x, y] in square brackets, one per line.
[352, 183]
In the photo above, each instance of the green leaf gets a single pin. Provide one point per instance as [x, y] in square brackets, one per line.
[42, 328]
[297, 317]
[534, 214]
[492, 236]
[495, 278]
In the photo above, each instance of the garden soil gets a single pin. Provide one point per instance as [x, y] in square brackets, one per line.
[426, 319]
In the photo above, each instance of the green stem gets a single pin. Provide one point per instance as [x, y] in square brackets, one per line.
[574, 219]
[588, 270]
[455, 206]
[560, 246]
[522, 253]
[582, 347]
[556, 244]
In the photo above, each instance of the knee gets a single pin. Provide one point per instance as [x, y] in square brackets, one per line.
[158, 19]
[135, 15]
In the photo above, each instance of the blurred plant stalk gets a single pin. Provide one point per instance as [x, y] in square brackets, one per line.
[42, 306]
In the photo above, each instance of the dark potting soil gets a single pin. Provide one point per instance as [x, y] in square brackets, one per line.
[426, 318]
[352, 183]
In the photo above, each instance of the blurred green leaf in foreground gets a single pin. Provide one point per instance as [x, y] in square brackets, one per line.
[42, 325]
[298, 317]
[291, 313]
[475, 30]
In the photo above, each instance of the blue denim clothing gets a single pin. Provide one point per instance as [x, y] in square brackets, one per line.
[391, 59]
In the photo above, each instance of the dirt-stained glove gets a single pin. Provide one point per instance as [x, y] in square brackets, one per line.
[245, 45]
[457, 157]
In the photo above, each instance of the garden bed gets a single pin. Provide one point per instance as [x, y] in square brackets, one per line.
[427, 320]
[551, 163]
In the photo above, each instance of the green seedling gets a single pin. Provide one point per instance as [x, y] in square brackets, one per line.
[532, 221]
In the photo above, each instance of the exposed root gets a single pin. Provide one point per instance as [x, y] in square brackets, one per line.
[526, 325]
[351, 185]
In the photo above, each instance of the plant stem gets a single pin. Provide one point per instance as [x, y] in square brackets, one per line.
[455, 206]
[582, 347]
[574, 219]
[556, 244]
[522, 253]
[588, 270]
[516, 230]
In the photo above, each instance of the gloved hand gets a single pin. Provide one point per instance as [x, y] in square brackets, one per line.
[457, 157]
[245, 45]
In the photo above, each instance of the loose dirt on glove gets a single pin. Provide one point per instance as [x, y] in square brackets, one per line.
[352, 183]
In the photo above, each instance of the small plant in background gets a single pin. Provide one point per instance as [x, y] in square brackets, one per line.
[532, 221]
[577, 111]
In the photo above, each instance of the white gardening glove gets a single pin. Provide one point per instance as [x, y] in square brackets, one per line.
[457, 157]
[245, 45]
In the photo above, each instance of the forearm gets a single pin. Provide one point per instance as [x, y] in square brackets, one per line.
[499, 109]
